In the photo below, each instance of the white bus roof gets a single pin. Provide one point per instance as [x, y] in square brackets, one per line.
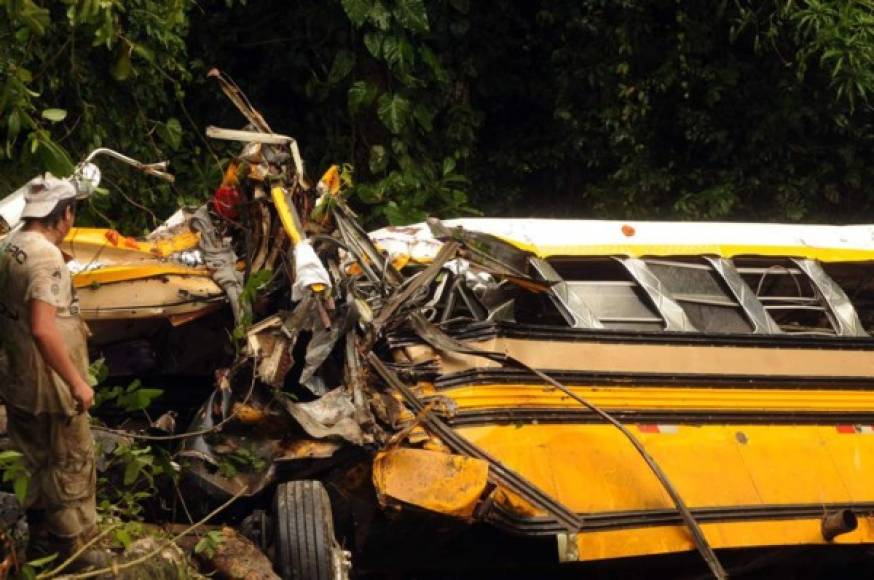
[555, 237]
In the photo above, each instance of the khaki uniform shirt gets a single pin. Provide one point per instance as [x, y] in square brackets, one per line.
[32, 268]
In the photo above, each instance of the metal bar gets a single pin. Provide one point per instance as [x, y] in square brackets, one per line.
[256, 137]
[842, 312]
[158, 169]
[572, 308]
[758, 316]
[674, 316]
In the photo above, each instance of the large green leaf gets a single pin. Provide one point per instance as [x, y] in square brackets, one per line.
[394, 112]
[412, 15]
[434, 64]
[344, 62]
[380, 16]
[373, 41]
[54, 115]
[360, 96]
[403, 214]
[424, 116]
[10, 455]
[54, 157]
[122, 69]
[170, 133]
[378, 159]
[399, 53]
[357, 10]
[19, 486]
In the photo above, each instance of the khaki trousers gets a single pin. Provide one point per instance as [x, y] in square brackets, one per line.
[59, 453]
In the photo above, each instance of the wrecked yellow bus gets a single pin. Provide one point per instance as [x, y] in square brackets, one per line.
[737, 355]
[505, 394]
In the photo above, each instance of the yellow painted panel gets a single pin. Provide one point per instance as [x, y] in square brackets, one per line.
[852, 451]
[89, 240]
[472, 397]
[792, 464]
[593, 467]
[440, 482]
[665, 539]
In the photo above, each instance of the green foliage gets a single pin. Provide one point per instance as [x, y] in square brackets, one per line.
[97, 373]
[129, 399]
[631, 108]
[209, 543]
[254, 284]
[78, 74]
[131, 477]
[125, 535]
[241, 459]
[30, 569]
[14, 472]
[835, 39]
[129, 473]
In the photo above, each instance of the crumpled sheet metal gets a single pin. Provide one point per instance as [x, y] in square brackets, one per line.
[405, 294]
[842, 308]
[197, 447]
[332, 415]
[674, 315]
[271, 345]
[745, 296]
[221, 260]
[440, 482]
[319, 348]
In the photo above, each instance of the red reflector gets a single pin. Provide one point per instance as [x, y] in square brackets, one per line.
[648, 428]
[846, 428]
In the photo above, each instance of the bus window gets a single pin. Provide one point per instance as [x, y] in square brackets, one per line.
[699, 290]
[788, 295]
[610, 293]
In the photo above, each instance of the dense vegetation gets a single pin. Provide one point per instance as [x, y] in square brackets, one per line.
[594, 108]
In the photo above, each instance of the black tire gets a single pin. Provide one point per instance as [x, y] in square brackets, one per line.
[303, 531]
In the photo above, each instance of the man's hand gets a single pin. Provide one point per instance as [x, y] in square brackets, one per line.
[54, 351]
[84, 395]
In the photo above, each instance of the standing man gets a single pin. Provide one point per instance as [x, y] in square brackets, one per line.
[47, 394]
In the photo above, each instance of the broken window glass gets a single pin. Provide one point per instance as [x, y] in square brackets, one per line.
[857, 280]
[788, 295]
[703, 295]
[609, 291]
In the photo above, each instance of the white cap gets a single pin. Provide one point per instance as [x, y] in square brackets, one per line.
[43, 193]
